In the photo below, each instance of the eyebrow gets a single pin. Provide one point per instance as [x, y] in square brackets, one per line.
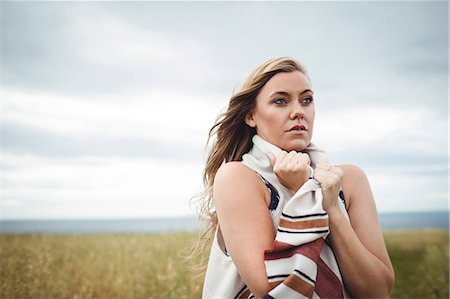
[286, 94]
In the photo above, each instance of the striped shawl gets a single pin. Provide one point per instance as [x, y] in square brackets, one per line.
[301, 264]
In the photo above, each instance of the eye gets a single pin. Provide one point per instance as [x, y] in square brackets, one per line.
[280, 101]
[307, 100]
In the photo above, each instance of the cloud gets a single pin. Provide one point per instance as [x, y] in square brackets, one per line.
[90, 51]
[361, 126]
[86, 187]
[153, 117]
[26, 140]
[389, 129]
[117, 47]
[106, 104]
[409, 193]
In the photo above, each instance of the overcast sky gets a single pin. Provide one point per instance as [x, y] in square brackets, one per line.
[106, 106]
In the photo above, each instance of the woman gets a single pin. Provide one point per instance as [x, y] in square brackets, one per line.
[261, 160]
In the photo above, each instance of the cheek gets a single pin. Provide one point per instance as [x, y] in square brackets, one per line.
[311, 120]
[312, 116]
[268, 119]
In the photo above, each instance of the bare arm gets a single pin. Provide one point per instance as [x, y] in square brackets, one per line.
[359, 247]
[241, 204]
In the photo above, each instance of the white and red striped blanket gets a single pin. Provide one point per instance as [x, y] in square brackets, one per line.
[301, 264]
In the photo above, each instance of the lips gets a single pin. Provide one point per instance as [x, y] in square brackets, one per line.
[298, 128]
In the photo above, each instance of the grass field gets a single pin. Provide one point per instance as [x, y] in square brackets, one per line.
[421, 263]
[151, 266]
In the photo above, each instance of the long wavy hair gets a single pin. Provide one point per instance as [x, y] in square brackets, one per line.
[230, 138]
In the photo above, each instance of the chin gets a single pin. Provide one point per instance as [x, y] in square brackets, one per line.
[297, 146]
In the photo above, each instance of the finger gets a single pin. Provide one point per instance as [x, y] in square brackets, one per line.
[281, 158]
[278, 160]
[272, 158]
[318, 176]
[323, 180]
[304, 159]
[326, 178]
[324, 166]
[291, 157]
[322, 175]
[337, 171]
[291, 160]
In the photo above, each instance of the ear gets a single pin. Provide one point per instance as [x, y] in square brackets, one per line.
[250, 120]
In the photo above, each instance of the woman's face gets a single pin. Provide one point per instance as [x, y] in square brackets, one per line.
[284, 112]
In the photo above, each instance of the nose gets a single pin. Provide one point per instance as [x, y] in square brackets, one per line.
[298, 110]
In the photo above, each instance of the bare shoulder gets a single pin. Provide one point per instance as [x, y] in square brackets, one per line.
[354, 182]
[235, 173]
[232, 169]
[235, 180]
[353, 172]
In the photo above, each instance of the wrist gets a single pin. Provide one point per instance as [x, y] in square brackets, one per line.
[338, 223]
[334, 212]
[293, 191]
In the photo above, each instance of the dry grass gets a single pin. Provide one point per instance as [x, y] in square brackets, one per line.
[96, 266]
[421, 263]
[151, 266]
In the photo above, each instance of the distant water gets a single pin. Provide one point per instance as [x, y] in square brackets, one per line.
[158, 225]
[414, 220]
[388, 221]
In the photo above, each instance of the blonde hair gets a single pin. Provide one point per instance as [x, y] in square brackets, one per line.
[232, 138]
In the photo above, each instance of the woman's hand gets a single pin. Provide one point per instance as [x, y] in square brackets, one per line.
[291, 169]
[329, 177]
